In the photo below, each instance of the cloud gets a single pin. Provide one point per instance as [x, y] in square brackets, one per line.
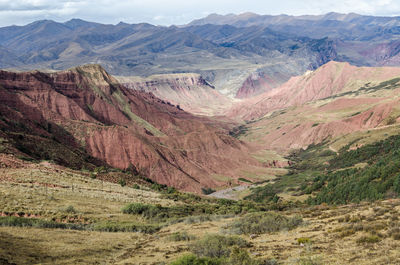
[177, 11]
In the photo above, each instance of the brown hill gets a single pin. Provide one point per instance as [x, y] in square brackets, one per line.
[330, 79]
[335, 101]
[85, 112]
[190, 91]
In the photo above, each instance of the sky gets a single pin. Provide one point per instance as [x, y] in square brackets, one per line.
[178, 12]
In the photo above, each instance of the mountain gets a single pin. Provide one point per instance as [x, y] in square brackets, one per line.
[190, 91]
[240, 55]
[357, 38]
[331, 79]
[333, 25]
[82, 117]
[224, 55]
[336, 102]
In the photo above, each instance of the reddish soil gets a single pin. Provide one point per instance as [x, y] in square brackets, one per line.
[330, 79]
[121, 126]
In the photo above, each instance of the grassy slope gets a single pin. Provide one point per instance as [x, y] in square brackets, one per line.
[48, 192]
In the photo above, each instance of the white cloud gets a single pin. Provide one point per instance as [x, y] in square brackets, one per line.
[177, 11]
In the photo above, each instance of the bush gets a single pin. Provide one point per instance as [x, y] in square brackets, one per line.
[136, 186]
[207, 191]
[369, 239]
[136, 208]
[126, 227]
[191, 259]
[303, 240]
[39, 223]
[241, 257]
[181, 236]
[260, 223]
[237, 257]
[70, 209]
[103, 227]
[122, 182]
[217, 246]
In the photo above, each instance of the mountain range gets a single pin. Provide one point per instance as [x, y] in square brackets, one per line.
[240, 55]
[234, 139]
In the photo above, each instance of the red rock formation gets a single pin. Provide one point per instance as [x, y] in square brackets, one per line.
[123, 126]
[330, 79]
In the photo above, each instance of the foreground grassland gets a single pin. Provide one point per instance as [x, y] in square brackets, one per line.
[53, 215]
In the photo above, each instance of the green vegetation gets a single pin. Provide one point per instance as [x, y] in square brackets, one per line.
[122, 182]
[202, 209]
[102, 227]
[307, 163]
[207, 191]
[217, 246]
[245, 180]
[344, 182]
[192, 259]
[261, 223]
[303, 240]
[181, 236]
[370, 239]
[214, 249]
[370, 172]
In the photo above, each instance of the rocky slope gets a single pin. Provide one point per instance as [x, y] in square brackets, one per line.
[86, 108]
[335, 101]
[331, 79]
[190, 91]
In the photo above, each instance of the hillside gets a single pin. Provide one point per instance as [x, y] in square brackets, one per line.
[332, 79]
[190, 91]
[233, 140]
[336, 100]
[85, 110]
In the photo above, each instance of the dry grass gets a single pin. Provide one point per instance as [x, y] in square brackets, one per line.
[331, 235]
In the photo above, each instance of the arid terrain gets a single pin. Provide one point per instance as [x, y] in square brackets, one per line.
[231, 140]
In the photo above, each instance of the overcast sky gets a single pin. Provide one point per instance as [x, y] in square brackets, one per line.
[167, 12]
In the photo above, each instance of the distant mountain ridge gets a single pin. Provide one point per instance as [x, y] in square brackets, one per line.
[240, 55]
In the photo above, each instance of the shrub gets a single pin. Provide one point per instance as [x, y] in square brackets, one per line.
[104, 227]
[122, 182]
[181, 236]
[241, 257]
[370, 239]
[207, 191]
[136, 186]
[126, 227]
[217, 246]
[303, 240]
[70, 209]
[245, 180]
[191, 259]
[135, 208]
[197, 219]
[260, 223]
[39, 223]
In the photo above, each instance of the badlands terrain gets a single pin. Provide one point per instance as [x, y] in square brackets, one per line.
[237, 139]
